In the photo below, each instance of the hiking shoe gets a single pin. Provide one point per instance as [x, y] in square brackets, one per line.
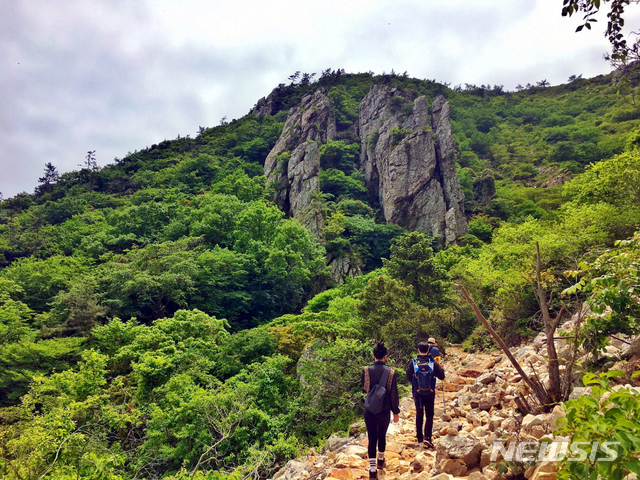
[428, 445]
[381, 463]
[373, 474]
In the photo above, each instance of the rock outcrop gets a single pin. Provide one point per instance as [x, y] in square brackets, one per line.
[266, 105]
[294, 162]
[408, 160]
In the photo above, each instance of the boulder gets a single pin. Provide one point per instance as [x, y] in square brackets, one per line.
[356, 450]
[420, 463]
[545, 471]
[292, 470]
[453, 467]
[631, 350]
[577, 392]
[343, 267]
[490, 473]
[463, 448]
[334, 443]
[442, 476]
[487, 378]
[469, 372]
[487, 402]
[531, 421]
[476, 476]
[341, 474]
[552, 418]
[350, 461]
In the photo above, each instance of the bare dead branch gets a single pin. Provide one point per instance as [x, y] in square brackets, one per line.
[536, 388]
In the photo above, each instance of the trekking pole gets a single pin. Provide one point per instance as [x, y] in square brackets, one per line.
[444, 408]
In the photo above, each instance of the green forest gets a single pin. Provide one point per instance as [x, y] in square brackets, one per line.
[160, 317]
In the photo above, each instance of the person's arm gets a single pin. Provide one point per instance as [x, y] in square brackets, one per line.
[438, 371]
[395, 400]
[362, 379]
[410, 371]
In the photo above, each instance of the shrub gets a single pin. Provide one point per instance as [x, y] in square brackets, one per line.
[604, 415]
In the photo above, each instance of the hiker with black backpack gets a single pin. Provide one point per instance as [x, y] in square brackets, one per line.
[422, 372]
[380, 384]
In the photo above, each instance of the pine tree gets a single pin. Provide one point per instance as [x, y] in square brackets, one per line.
[50, 178]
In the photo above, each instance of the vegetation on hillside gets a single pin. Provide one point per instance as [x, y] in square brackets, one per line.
[160, 315]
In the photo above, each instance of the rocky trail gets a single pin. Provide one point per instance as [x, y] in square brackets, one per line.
[476, 408]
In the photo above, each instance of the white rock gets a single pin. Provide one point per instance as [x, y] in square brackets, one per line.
[531, 421]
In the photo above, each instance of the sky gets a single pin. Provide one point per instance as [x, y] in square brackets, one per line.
[117, 76]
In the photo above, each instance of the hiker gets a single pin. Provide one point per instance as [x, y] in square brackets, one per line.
[422, 373]
[380, 384]
[435, 351]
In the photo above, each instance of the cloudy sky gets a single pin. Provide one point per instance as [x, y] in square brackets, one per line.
[118, 75]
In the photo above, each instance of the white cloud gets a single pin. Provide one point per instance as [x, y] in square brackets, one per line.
[120, 75]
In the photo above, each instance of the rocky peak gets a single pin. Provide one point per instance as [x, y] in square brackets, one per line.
[455, 222]
[294, 162]
[407, 158]
[264, 107]
[408, 161]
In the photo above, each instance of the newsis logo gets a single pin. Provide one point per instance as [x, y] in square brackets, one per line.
[554, 451]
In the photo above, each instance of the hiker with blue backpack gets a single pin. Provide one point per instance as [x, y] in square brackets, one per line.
[380, 384]
[422, 372]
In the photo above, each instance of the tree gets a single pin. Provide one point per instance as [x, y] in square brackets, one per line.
[66, 423]
[412, 262]
[91, 165]
[50, 178]
[615, 181]
[150, 282]
[621, 50]
[90, 161]
[613, 284]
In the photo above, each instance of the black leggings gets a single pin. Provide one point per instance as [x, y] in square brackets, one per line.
[377, 425]
[424, 407]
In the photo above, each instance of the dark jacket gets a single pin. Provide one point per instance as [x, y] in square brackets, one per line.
[438, 373]
[391, 400]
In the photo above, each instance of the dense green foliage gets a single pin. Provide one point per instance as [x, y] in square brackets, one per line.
[160, 315]
[605, 414]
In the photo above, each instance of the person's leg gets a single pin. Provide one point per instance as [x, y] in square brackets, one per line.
[370, 420]
[417, 400]
[383, 425]
[429, 403]
[382, 420]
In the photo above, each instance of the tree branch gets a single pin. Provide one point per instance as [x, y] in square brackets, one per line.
[18, 476]
[537, 389]
[550, 329]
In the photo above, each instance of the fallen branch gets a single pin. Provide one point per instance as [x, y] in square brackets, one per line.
[535, 387]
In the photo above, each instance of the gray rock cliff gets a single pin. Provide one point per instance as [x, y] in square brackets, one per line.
[408, 160]
[309, 124]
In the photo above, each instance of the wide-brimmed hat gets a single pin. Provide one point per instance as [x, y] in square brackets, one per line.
[431, 340]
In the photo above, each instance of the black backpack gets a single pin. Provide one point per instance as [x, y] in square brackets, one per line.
[375, 398]
[423, 376]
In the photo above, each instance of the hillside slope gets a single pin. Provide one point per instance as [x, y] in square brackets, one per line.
[138, 298]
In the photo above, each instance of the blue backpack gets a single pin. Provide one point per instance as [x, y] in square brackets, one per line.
[423, 376]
